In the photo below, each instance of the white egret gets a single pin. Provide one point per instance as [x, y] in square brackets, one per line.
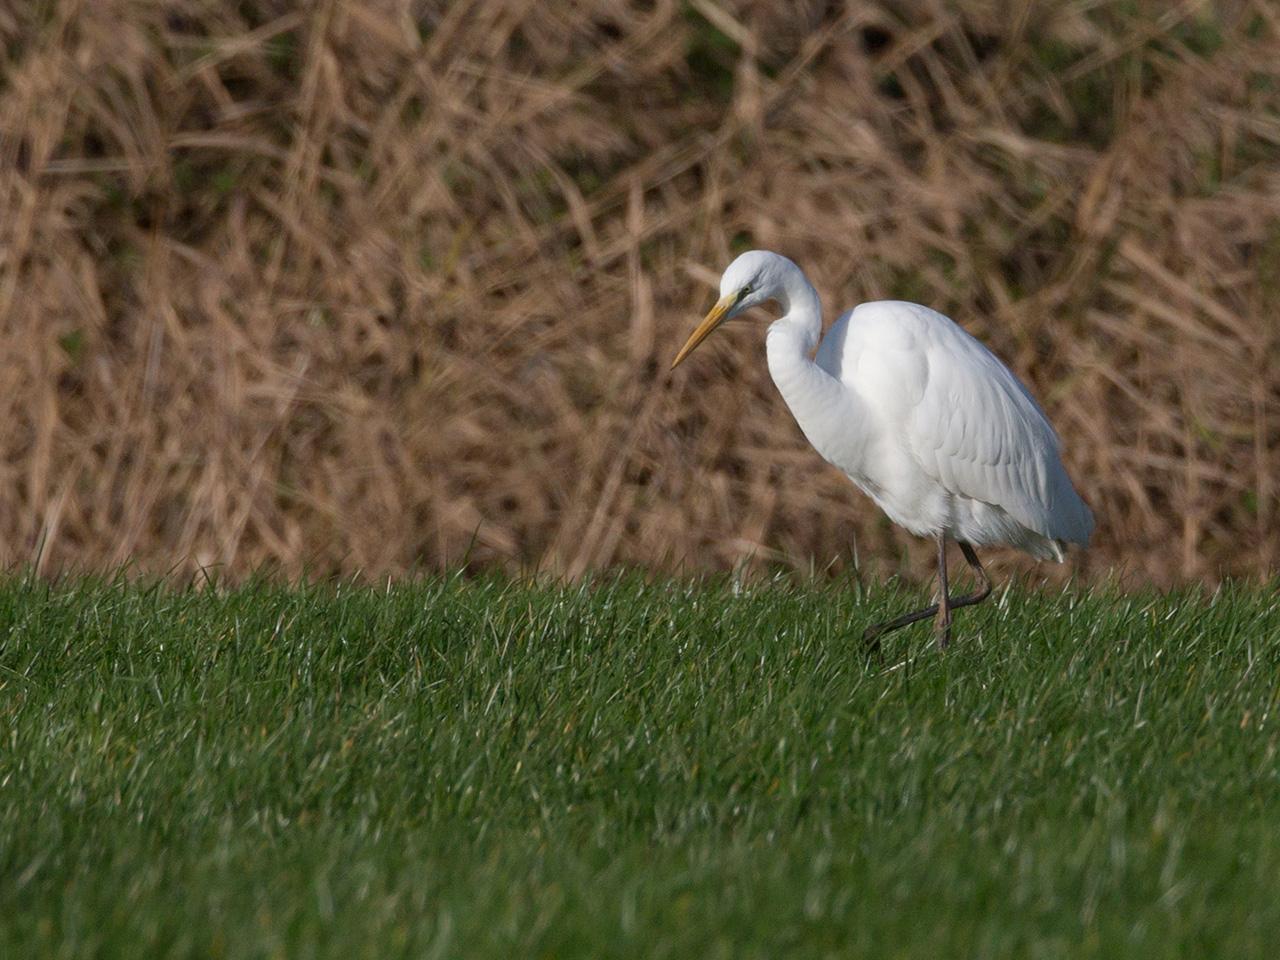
[920, 416]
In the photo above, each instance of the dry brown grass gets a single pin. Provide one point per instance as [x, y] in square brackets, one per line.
[373, 286]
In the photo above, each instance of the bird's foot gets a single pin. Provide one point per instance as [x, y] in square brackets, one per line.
[942, 629]
[942, 636]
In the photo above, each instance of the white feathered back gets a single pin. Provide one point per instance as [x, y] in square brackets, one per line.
[969, 423]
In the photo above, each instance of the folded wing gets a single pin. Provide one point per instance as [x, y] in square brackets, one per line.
[971, 424]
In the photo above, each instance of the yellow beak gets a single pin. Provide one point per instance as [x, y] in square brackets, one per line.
[709, 323]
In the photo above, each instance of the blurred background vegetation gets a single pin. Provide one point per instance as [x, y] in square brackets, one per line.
[369, 287]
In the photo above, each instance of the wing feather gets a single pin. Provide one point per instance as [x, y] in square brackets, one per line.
[970, 423]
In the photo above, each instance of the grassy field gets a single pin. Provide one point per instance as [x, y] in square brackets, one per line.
[455, 768]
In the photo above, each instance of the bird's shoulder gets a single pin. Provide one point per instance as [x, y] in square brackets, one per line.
[887, 326]
[912, 338]
[894, 341]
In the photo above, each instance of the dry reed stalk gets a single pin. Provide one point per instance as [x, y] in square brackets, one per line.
[369, 287]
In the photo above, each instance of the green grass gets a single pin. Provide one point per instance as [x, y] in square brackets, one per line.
[490, 769]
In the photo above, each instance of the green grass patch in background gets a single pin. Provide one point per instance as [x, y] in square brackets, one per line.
[452, 768]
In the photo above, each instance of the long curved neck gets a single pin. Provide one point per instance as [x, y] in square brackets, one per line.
[810, 392]
[801, 310]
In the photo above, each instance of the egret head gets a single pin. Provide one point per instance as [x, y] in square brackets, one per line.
[755, 277]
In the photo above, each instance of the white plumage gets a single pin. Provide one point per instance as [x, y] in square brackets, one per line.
[959, 444]
[920, 415]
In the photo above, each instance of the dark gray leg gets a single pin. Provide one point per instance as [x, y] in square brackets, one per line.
[942, 624]
[984, 582]
[871, 636]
